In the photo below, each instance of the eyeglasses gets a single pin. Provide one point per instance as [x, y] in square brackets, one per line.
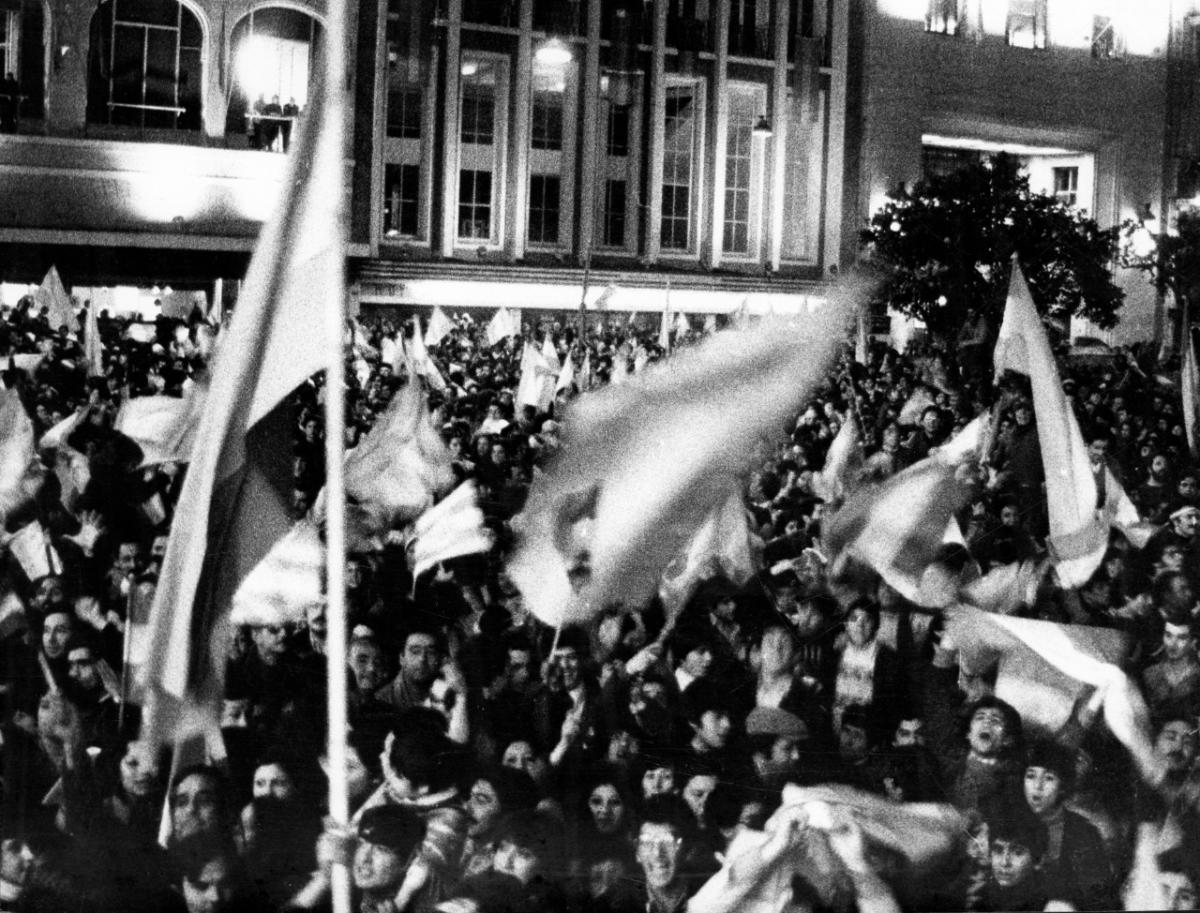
[659, 844]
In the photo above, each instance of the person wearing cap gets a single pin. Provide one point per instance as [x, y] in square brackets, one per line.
[777, 742]
[387, 838]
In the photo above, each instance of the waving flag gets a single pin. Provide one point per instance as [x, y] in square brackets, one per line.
[236, 501]
[843, 458]
[287, 580]
[450, 529]
[93, 349]
[536, 387]
[53, 296]
[440, 326]
[501, 326]
[422, 364]
[664, 327]
[1123, 514]
[1078, 533]
[163, 426]
[20, 471]
[644, 462]
[1189, 380]
[566, 377]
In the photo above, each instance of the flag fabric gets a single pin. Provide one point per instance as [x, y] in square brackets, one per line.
[620, 366]
[388, 351]
[566, 377]
[180, 305]
[500, 327]
[141, 332]
[440, 326]
[452, 528]
[27, 362]
[550, 354]
[723, 546]
[236, 501]
[1045, 668]
[536, 387]
[12, 615]
[1006, 589]
[585, 372]
[710, 324]
[19, 466]
[287, 580]
[664, 327]
[741, 317]
[163, 426]
[682, 324]
[1078, 533]
[397, 470]
[57, 436]
[604, 299]
[422, 363]
[843, 458]
[920, 400]
[897, 528]
[53, 296]
[1189, 381]
[759, 867]
[1123, 514]
[31, 548]
[643, 462]
[861, 343]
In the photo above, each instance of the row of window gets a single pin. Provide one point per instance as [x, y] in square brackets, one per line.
[551, 192]
[1025, 23]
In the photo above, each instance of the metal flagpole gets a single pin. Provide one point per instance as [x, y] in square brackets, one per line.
[335, 88]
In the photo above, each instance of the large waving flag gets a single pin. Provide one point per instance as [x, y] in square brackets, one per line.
[288, 580]
[422, 364]
[163, 426]
[536, 387]
[1123, 514]
[723, 546]
[566, 376]
[644, 462]
[236, 501]
[19, 468]
[440, 326]
[93, 349]
[1078, 534]
[52, 295]
[1189, 381]
[501, 326]
[450, 529]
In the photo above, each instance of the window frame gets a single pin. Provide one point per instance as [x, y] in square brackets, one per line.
[754, 96]
[615, 167]
[1031, 16]
[695, 186]
[491, 157]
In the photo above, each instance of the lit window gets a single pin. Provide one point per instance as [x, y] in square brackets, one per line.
[1026, 27]
[614, 214]
[803, 181]
[739, 171]
[145, 67]
[943, 17]
[273, 55]
[547, 132]
[1066, 185]
[474, 205]
[401, 200]
[544, 197]
[678, 168]
[478, 115]
[1105, 40]
[21, 55]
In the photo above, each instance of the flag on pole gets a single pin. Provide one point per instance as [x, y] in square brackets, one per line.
[682, 324]
[1078, 533]
[643, 463]
[566, 376]
[450, 529]
[861, 347]
[604, 299]
[440, 326]
[920, 400]
[287, 580]
[550, 354]
[536, 387]
[421, 361]
[710, 324]
[741, 317]
[93, 348]
[1123, 514]
[585, 372]
[500, 327]
[53, 296]
[18, 460]
[664, 326]
[236, 498]
[163, 426]
[1189, 380]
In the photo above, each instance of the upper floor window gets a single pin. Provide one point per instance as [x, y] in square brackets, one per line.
[743, 165]
[618, 130]
[1106, 41]
[1066, 185]
[481, 162]
[478, 125]
[943, 16]
[1026, 25]
[547, 126]
[22, 61]
[681, 132]
[145, 65]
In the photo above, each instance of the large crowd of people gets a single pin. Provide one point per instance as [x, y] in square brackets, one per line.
[496, 764]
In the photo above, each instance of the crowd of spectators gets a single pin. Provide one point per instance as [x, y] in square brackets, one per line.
[497, 765]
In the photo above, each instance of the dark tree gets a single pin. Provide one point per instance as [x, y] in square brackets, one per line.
[1171, 260]
[947, 244]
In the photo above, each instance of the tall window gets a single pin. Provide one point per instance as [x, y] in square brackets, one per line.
[273, 53]
[1026, 26]
[740, 176]
[1066, 185]
[145, 65]
[474, 204]
[547, 127]
[401, 200]
[943, 16]
[620, 167]
[618, 130]
[22, 54]
[803, 182]
[544, 206]
[404, 112]
[481, 149]
[614, 213]
[679, 155]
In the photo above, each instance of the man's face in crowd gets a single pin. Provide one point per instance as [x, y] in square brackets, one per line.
[852, 742]
[698, 661]
[658, 781]
[1187, 486]
[658, 851]
[519, 667]
[931, 422]
[521, 756]
[1010, 516]
[1178, 890]
[988, 732]
[195, 807]
[1023, 415]
[273, 781]
[1043, 790]
[127, 558]
[714, 728]
[367, 665]
[270, 641]
[696, 792]
[212, 891]
[81, 669]
[420, 659]
[1187, 523]
[56, 631]
[518, 861]
[909, 732]
[1178, 642]
[16, 858]
[316, 618]
[378, 868]
[1098, 450]
[860, 627]
[566, 659]
[1012, 863]
[140, 770]
[1176, 744]
[48, 592]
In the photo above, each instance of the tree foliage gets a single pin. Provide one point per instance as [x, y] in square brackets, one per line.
[948, 243]
[1173, 262]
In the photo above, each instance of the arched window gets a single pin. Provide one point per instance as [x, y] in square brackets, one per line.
[22, 61]
[145, 65]
[274, 53]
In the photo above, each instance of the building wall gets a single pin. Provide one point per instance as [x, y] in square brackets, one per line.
[917, 82]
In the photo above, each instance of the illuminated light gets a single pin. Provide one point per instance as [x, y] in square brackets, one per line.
[253, 66]
[469, 68]
[895, 226]
[942, 300]
[553, 53]
[163, 197]
[983, 145]
[905, 9]
[762, 127]
[1146, 31]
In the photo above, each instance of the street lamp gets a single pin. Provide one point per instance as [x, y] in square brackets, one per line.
[762, 127]
[553, 53]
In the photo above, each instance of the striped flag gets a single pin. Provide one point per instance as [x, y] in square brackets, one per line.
[643, 462]
[1189, 380]
[236, 501]
[450, 529]
[1078, 533]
